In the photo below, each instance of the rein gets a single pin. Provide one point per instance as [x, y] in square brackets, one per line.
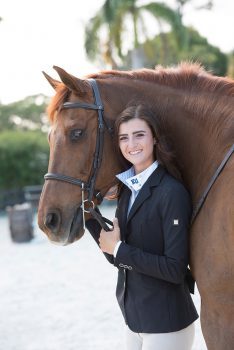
[211, 182]
[90, 185]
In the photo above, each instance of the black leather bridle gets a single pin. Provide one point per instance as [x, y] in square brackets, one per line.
[89, 186]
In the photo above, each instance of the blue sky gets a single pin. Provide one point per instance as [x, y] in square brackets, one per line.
[35, 35]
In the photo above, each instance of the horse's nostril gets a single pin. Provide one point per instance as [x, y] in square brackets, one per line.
[52, 221]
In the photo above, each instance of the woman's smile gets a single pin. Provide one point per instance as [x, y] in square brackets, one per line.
[136, 143]
[135, 152]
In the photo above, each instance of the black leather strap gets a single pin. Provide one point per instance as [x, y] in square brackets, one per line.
[99, 139]
[73, 105]
[211, 182]
[101, 219]
[65, 178]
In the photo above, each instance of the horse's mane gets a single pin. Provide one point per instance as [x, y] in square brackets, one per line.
[188, 77]
[184, 76]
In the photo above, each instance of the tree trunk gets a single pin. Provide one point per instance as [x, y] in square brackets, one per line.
[137, 58]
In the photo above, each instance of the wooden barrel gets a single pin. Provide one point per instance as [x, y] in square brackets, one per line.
[21, 222]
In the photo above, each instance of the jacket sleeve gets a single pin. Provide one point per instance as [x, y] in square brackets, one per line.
[95, 228]
[175, 211]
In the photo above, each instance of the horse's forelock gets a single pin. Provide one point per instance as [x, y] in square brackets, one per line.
[62, 92]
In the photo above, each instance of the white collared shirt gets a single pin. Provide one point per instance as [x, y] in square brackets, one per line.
[134, 182]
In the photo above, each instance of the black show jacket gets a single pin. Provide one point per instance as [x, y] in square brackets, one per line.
[152, 259]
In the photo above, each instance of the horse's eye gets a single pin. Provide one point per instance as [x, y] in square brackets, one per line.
[76, 134]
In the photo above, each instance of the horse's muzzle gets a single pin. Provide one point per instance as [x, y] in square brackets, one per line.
[59, 230]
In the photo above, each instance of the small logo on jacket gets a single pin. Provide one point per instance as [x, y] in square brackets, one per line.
[176, 222]
[134, 181]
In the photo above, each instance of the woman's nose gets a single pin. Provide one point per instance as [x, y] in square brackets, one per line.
[132, 143]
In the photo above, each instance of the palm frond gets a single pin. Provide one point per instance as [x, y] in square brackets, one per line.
[91, 35]
[170, 16]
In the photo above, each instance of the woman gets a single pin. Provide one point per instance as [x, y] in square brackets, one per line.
[149, 241]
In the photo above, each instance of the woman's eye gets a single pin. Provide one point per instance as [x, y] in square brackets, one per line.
[76, 134]
[123, 138]
[139, 135]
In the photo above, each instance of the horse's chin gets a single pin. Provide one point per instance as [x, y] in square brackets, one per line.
[76, 228]
[73, 237]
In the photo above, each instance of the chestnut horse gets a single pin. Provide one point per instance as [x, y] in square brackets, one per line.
[197, 111]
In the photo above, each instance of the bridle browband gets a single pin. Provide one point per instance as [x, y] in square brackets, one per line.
[89, 186]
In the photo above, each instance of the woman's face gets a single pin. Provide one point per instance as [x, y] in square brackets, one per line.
[136, 143]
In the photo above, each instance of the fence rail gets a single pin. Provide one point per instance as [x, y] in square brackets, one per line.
[29, 194]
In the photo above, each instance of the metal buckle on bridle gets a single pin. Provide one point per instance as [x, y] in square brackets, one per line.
[92, 206]
[83, 201]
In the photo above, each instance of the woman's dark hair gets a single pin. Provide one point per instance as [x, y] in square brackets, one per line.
[162, 151]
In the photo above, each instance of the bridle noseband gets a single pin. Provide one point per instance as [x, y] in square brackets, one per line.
[88, 186]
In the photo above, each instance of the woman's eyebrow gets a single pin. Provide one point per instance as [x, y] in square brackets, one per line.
[134, 132]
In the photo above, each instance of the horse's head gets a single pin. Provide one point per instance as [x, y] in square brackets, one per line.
[81, 155]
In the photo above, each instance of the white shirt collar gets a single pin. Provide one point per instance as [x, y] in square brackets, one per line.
[135, 182]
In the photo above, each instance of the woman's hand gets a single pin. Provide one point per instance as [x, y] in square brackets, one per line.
[109, 239]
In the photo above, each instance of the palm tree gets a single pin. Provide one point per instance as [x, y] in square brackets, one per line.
[104, 19]
[181, 4]
[113, 19]
[208, 4]
[230, 71]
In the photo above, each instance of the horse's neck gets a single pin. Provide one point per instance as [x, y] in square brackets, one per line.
[199, 145]
[197, 150]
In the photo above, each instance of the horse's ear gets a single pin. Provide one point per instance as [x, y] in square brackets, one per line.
[73, 83]
[54, 83]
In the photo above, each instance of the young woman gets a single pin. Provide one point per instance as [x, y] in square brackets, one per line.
[149, 241]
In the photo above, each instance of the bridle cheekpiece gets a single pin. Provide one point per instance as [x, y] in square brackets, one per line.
[88, 186]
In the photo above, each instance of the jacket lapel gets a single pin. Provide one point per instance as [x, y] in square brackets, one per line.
[123, 210]
[145, 192]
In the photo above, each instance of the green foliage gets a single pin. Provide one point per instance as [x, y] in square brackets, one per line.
[230, 71]
[23, 158]
[91, 36]
[27, 114]
[112, 22]
[113, 17]
[165, 51]
[199, 49]
[162, 11]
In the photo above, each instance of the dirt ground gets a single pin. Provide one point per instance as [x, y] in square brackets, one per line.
[60, 298]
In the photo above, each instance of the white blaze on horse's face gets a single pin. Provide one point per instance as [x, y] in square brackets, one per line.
[136, 143]
[48, 134]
